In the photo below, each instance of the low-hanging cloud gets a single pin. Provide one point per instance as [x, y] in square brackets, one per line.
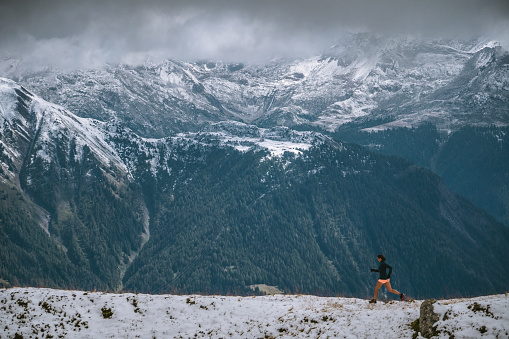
[65, 33]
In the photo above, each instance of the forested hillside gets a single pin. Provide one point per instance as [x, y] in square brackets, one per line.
[473, 161]
[314, 224]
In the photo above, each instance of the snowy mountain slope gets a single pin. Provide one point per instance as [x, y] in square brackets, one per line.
[276, 140]
[44, 127]
[449, 83]
[77, 314]
[477, 96]
[35, 128]
[163, 99]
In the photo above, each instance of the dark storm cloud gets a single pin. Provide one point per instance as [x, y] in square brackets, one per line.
[79, 33]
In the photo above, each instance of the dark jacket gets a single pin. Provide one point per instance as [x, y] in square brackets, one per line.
[382, 268]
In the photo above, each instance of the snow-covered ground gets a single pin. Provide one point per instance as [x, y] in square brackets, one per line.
[48, 313]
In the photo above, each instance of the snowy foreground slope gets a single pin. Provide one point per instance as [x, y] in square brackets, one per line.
[48, 313]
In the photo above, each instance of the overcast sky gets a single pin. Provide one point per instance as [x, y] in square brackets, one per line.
[91, 32]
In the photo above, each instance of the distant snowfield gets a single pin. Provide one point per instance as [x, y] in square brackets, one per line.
[49, 313]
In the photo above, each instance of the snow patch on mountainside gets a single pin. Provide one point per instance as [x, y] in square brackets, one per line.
[7, 99]
[245, 137]
[77, 314]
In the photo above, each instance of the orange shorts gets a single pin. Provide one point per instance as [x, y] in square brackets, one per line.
[384, 281]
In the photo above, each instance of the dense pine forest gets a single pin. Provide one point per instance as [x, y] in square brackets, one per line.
[472, 161]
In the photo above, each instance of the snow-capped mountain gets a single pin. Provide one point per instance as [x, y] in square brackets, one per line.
[126, 212]
[53, 161]
[192, 177]
[406, 81]
[34, 127]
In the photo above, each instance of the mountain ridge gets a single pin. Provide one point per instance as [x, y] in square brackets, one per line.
[188, 212]
[363, 77]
